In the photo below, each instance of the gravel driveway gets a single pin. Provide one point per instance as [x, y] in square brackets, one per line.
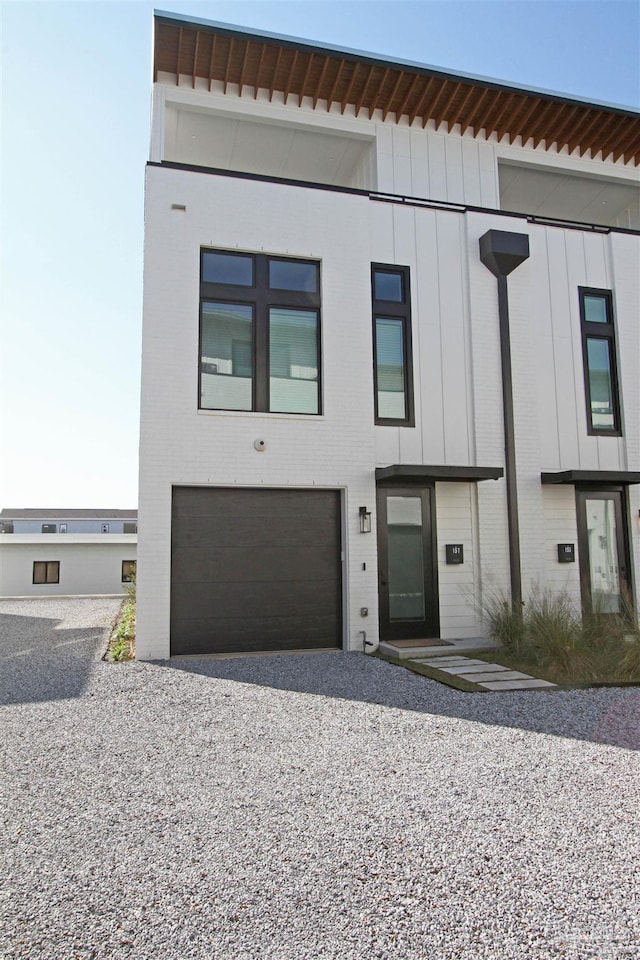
[298, 807]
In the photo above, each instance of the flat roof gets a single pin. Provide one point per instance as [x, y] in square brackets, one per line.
[298, 68]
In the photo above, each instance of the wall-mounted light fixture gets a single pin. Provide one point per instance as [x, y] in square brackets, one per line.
[365, 520]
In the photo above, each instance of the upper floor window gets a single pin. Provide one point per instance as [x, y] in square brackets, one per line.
[392, 357]
[599, 359]
[259, 333]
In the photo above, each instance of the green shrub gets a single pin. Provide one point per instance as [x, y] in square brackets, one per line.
[122, 641]
[553, 636]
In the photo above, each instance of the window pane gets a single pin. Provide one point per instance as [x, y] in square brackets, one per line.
[406, 569]
[388, 286]
[290, 275]
[39, 571]
[595, 310]
[293, 361]
[600, 385]
[390, 369]
[603, 555]
[227, 268]
[53, 571]
[226, 377]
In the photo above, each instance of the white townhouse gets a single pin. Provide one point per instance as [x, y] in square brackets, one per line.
[391, 348]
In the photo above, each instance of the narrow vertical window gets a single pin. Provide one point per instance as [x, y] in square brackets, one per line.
[599, 359]
[392, 358]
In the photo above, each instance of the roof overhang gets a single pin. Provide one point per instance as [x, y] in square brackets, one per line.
[418, 473]
[225, 54]
[620, 477]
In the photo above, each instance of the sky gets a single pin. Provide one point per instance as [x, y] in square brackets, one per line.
[75, 98]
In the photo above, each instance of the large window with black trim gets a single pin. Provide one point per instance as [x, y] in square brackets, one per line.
[259, 333]
[392, 358]
[599, 360]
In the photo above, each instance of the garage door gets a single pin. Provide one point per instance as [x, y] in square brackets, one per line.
[255, 570]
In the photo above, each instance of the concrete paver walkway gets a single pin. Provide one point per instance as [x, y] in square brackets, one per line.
[489, 676]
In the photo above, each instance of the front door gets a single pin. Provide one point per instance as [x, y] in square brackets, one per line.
[603, 550]
[408, 595]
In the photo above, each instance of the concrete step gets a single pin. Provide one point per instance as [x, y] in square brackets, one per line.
[451, 648]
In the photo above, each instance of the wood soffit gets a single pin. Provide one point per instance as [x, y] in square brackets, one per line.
[332, 77]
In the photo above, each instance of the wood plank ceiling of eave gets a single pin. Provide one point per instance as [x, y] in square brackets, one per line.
[368, 85]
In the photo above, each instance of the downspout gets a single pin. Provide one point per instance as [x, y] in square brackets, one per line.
[501, 252]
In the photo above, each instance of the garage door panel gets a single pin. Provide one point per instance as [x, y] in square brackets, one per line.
[259, 564]
[220, 600]
[255, 570]
[244, 636]
[254, 532]
[251, 503]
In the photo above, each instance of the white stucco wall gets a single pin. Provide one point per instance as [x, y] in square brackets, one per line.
[88, 564]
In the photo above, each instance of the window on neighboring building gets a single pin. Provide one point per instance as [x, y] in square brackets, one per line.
[6, 527]
[392, 357]
[599, 359]
[259, 333]
[46, 571]
[128, 527]
[128, 571]
[48, 528]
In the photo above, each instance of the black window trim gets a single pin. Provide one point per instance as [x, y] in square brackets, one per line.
[47, 564]
[401, 311]
[261, 298]
[600, 331]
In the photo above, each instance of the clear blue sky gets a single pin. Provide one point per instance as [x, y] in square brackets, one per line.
[75, 119]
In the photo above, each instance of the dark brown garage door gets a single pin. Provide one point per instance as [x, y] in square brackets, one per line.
[255, 570]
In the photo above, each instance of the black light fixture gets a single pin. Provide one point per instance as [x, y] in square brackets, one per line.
[365, 520]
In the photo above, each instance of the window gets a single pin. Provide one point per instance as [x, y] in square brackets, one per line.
[46, 571]
[392, 357]
[128, 571]
[599, 359]
[259, 333]
[48, 528]
[63, 528]
[129, 527]
[6, 527]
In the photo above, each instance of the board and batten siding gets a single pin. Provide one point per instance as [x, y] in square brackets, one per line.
[459, 586]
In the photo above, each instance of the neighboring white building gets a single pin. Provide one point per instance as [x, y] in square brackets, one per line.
[66, 552]
[331, 345]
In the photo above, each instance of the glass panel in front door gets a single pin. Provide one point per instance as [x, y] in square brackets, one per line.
[604, 566]
[406, 564]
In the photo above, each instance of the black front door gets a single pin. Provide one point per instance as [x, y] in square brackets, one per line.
[603, 548]
[408, 594]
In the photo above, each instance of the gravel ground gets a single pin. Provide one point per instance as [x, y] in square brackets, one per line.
[320, 806]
